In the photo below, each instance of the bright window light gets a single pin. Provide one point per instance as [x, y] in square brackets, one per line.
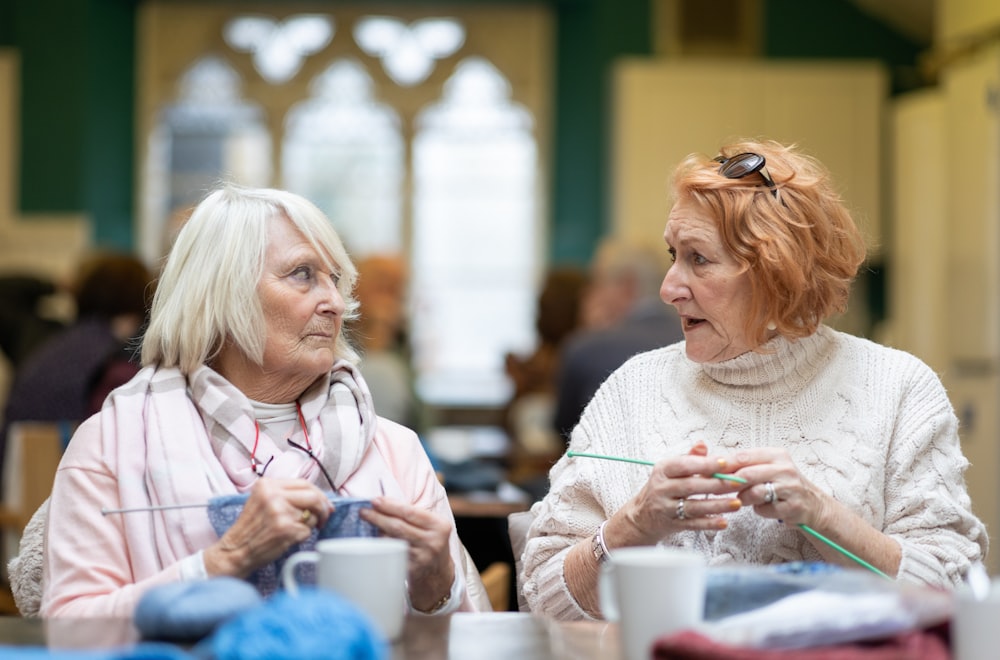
[408, 51]
[279, 47]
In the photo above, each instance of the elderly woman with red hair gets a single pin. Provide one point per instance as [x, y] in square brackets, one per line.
[827, 432]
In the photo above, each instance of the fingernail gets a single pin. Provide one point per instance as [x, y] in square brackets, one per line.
[722, 462]
[721, 523]
[735, 504]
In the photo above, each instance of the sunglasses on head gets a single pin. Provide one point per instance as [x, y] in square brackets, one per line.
[745, 164]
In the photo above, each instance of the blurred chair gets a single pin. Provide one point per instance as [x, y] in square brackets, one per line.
[517, 526]
[474, 583]
[33, 452]
[496, 579]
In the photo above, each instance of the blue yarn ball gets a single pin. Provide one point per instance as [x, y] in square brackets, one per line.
[315, 624]
[188, 611]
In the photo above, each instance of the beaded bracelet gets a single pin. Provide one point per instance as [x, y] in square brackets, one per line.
[599, 547]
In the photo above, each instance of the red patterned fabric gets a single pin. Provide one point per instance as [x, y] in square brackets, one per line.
[929, 644]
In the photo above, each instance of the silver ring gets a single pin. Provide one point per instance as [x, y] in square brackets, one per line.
[680, 509]
[769, 494]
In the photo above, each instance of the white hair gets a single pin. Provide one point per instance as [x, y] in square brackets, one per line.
[207, 293]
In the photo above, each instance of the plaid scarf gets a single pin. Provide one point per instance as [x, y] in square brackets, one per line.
[187, 440]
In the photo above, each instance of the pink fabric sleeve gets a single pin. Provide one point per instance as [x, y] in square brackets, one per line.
[401, 449]
[86, 568]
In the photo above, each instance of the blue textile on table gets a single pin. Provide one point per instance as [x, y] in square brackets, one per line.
[345, 521]
[732, 590]
[188, 611]
[143, 651]
[804, 605]
[315, 625]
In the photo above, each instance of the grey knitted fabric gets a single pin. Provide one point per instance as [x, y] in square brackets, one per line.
[25, 570]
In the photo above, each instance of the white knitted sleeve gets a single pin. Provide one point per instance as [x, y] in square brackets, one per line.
[928, 509]
[562, 519]
[585, 492]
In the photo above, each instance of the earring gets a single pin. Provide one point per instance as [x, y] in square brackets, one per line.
[771, 326]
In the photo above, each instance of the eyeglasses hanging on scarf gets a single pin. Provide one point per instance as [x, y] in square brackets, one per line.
[259, 468]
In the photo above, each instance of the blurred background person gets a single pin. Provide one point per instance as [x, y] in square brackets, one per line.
[530, 412]
[380, 331]
[621, 315]
[24, 325]
[68, 376]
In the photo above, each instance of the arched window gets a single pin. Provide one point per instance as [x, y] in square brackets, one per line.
[344, 151]
[418, 134]
[474, 211]
[208, 134]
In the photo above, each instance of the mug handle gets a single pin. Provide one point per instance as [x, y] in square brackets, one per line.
[607, 599]
[288, 570]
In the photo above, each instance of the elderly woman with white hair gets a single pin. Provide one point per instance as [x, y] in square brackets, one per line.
[248, 386]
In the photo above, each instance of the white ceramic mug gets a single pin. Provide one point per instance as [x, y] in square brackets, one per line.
[975, 625]
[651, 591]
[370, 572]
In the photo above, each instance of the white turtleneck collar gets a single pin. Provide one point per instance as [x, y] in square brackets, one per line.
[779, 362]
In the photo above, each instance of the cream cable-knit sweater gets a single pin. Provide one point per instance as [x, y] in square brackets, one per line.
[871, 425]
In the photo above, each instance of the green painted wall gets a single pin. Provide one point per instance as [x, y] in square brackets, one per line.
[838, 29]
[77, 127]
[6, 23]
[77, 95]
[53, 121]
[109, 146]
[590, 35]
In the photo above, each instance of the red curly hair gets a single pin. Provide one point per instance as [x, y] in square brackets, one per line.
[800, 247]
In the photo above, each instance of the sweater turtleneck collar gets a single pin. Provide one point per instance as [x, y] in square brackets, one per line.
[780, 365]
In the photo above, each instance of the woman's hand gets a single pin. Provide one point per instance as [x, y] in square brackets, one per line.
[278, 513]
[664, 503]
[776, 489]
[431, 570]
[663, 506]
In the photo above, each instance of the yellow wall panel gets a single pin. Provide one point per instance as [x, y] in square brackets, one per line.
[664, 110]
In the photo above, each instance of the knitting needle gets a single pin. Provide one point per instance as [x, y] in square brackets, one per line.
[806, 528]
[161, 507]
[717, 475]
[844, 551]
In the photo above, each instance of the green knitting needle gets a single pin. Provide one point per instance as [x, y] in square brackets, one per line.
[717, 475]
[731, 477]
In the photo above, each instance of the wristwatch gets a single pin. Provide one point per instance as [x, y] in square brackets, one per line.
[598, 547]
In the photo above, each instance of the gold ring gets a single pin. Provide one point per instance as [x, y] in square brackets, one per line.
[305, 517]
